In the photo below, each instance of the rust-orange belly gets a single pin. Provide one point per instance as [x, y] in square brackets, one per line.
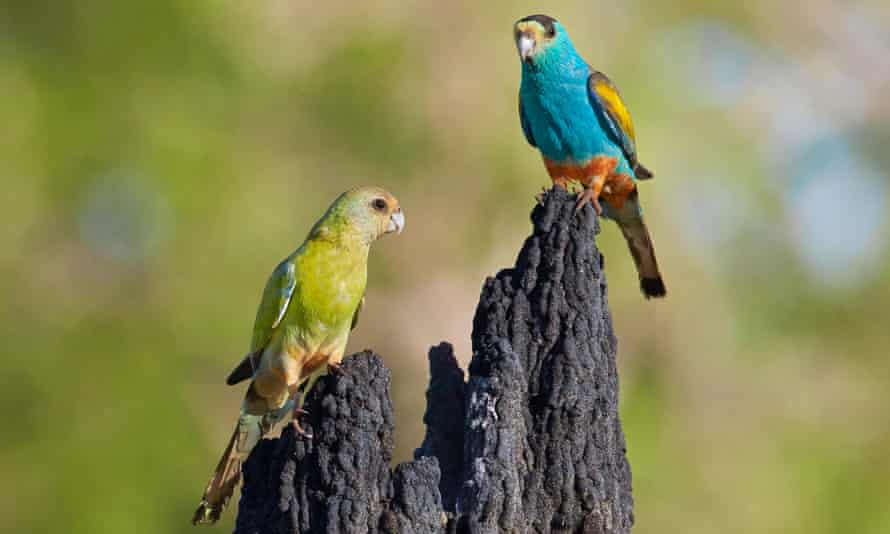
[598, 173]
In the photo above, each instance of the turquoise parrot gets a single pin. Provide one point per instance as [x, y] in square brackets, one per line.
[575, 116]
[309, 306]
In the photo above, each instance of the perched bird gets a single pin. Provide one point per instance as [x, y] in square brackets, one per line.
[309, 306]
[575, 116]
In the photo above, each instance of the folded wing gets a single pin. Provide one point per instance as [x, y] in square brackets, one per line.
[615, 119]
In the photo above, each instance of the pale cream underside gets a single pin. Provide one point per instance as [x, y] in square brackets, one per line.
[287, 363]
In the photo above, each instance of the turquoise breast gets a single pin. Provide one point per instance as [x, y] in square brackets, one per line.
[562, 119]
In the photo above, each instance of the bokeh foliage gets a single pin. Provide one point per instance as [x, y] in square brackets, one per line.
[159, 158]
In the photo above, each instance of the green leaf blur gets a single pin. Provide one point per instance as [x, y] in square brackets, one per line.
[158, 159]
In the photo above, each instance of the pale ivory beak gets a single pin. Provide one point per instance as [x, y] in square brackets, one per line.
[526, 46]
[396, 222]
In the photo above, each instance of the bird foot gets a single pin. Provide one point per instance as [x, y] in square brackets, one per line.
[588, 196]
[300, 430]
[336, 368]
[295, 422]
[541, 196]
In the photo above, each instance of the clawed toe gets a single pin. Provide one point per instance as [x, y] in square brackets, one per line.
[588, 196]
[300, 430]
[295, 422]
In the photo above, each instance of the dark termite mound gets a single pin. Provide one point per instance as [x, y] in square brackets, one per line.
[531, 442]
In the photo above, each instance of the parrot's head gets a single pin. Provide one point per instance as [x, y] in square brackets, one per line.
[539, 37]
[366, 213]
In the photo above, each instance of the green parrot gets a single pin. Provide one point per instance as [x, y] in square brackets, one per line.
[309, 306]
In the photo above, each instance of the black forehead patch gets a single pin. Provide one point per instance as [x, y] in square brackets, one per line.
[543, 20]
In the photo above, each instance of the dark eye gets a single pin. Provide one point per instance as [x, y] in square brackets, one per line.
[379, 204]
[551, 32]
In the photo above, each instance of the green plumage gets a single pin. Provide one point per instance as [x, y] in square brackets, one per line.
[315, 292]
[309, 305]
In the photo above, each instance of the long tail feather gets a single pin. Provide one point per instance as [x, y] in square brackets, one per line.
[643, 252]
[227, 474]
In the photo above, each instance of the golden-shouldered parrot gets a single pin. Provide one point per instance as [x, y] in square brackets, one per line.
[575, 116]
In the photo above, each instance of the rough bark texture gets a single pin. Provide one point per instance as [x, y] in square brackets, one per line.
[544, 448]
[530, 443]
[339, 481]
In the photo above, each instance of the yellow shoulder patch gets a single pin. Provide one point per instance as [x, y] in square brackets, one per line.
[615, 106]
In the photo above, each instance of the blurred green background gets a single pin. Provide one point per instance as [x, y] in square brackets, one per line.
[158, 158]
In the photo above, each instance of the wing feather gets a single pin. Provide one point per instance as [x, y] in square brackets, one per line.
[273, 306]
[615, 118]
[526, 127]
[358, 310]
[246, 368]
